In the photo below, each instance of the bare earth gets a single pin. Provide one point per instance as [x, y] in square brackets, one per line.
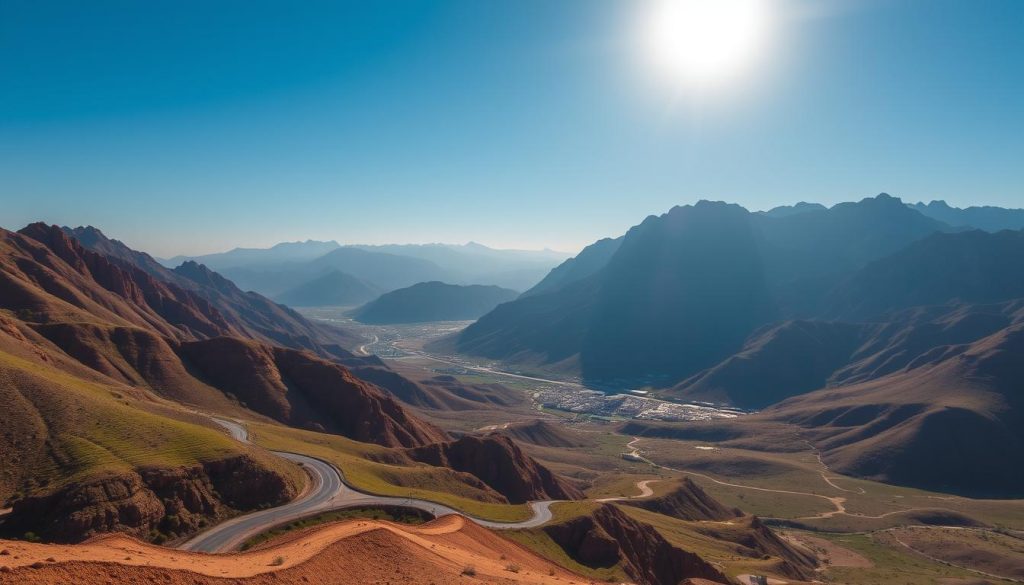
[830, 553]
[355, 551]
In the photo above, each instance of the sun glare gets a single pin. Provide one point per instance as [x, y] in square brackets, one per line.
[703, 42]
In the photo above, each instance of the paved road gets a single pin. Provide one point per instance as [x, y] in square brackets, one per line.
[326, 492]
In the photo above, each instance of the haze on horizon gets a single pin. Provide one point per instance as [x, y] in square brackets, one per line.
[189, 128]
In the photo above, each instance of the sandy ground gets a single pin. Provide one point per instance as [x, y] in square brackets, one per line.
[355, 551]
[830, 553]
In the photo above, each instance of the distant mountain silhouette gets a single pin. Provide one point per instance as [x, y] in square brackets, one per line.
[276, 270]
[433, 301]
[787, 210]
[775, 363]
[988, 218]
[475, 263]
[386, 271]
[280, 253]
[682, 291]
[334, 289]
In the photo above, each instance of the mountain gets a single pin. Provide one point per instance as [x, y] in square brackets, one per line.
[85, 448]
[682, 291]
[974, 267]
[387, 271]
[97, 359]
[433, 301]
[944, 422]
[988, 218]
[334, 289]
[303, 391]
[475, 263]
[277, 254]
[250, 314]
[644, 314]
[808, 254]
[776, 362]
[588, 262]
[916, 400]
[378, 269]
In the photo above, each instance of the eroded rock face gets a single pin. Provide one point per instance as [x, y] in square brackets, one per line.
[608, 537]
[166, 501]
[501, 464]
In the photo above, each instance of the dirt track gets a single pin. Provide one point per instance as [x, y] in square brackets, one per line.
[447, 545]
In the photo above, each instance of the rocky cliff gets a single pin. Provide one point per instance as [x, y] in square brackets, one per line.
[501, 464]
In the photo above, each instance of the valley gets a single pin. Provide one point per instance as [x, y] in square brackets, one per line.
[849, 522]
[405, 345]
[171, 407]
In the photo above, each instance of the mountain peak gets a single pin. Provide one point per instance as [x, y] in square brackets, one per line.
[199, 273]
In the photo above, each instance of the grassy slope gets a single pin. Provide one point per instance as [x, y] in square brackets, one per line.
[436, 484]
[801, 472]
[540, 543]
[892, 564]
[96, 429]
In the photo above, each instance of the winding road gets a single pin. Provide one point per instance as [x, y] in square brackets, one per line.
[327, 491]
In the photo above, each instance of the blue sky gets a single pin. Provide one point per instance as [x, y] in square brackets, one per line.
[189, 127]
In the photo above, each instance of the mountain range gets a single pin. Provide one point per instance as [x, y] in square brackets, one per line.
[107, 358]
[881, 331]
[304, 271]
[433, 301]
[683, 290]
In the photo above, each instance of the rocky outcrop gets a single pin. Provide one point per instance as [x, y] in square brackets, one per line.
[157, 503]
[687, 501]
[501, 464]
[608, 537]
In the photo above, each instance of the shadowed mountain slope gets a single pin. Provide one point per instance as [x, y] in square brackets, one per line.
[433, 301]
[588, 262]
[944, 421]
[684, 290]
[334, 289]
[973, 267]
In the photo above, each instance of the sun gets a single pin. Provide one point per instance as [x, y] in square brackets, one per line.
[703, 42]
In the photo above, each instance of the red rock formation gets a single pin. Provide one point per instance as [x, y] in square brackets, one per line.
[168, 501]
[501, 464]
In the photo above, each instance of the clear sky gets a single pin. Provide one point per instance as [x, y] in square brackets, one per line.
[195, 126]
